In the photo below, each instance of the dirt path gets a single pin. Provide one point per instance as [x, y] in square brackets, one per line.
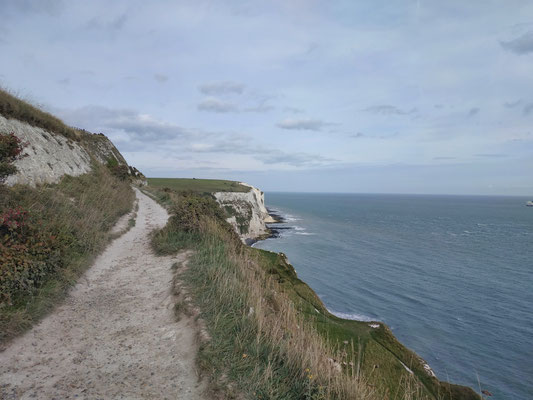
[115, 337]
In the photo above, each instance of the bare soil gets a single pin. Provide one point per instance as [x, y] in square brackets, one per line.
[115, 336]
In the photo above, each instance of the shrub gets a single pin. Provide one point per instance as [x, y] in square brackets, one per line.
[121, 171]
[191, 209]
[10, 150]
[48, 236]
[27, 255]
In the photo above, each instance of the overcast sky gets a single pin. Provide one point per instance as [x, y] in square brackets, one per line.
[342, 96]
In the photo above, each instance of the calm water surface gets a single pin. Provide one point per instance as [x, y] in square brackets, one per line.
[451, 275]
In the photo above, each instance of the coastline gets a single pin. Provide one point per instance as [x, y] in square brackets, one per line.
[271, 231]
[377, 330]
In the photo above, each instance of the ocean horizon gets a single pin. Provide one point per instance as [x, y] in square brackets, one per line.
[449, 274]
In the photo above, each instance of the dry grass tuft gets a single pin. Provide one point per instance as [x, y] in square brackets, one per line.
[13, 107]
[300, 357]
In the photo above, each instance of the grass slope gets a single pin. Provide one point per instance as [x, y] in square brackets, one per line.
[197, 185]
[272, 337]
[12, 107]
[378, 353]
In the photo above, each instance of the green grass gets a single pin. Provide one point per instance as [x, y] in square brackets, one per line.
[272, 337]
[13, 107]
[197, 185]
[378, 346]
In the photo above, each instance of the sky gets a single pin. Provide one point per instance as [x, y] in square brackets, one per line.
[412, 96]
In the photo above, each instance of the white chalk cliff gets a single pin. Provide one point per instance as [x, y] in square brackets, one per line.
[249, 215]
[47, 156]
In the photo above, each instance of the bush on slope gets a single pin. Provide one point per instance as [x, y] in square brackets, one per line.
[48, 235]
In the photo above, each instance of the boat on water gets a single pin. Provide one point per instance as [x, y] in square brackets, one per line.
[529, 203]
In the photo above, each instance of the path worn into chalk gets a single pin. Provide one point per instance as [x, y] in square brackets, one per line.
[115, 336]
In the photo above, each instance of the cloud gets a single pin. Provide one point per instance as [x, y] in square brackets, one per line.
[138, 127]
[114, 25]
[3, 34]
[528, 108]
[359, 135]
[311, 48]
[521, 45]
[521, 137]
[218, 106]
[495, 155]
[212, 104]
[240, 144]
[132, 130]
[473, 111]
[445, 158]
[225, 87]
[260, 102]
[50, 7]
[294, 159]
[293, 110]
[386, 109]
[303, 124]
[161, 78]
[512, 104]
[261, 108]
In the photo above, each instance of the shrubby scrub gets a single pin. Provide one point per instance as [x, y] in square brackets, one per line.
[10, 150]
[49, 234]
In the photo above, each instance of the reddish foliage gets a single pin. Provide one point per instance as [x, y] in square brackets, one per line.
[10, 147]
[12, 219]
[10, 150]
[27, 254]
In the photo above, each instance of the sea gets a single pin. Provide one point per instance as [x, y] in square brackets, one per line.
[452, 276]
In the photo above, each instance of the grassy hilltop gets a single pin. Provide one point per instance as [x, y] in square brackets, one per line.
[197, 185]
[272, 337]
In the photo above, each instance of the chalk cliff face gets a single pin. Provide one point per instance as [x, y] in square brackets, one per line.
[249, 215]
[48, 156]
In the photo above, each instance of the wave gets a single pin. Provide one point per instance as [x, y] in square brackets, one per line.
[290, 218]
[352, 316]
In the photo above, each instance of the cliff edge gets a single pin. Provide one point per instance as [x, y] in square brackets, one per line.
[247, 212]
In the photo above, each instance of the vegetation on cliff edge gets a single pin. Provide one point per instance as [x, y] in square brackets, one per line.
[13, 107]
[272, 338]
[198, 185]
